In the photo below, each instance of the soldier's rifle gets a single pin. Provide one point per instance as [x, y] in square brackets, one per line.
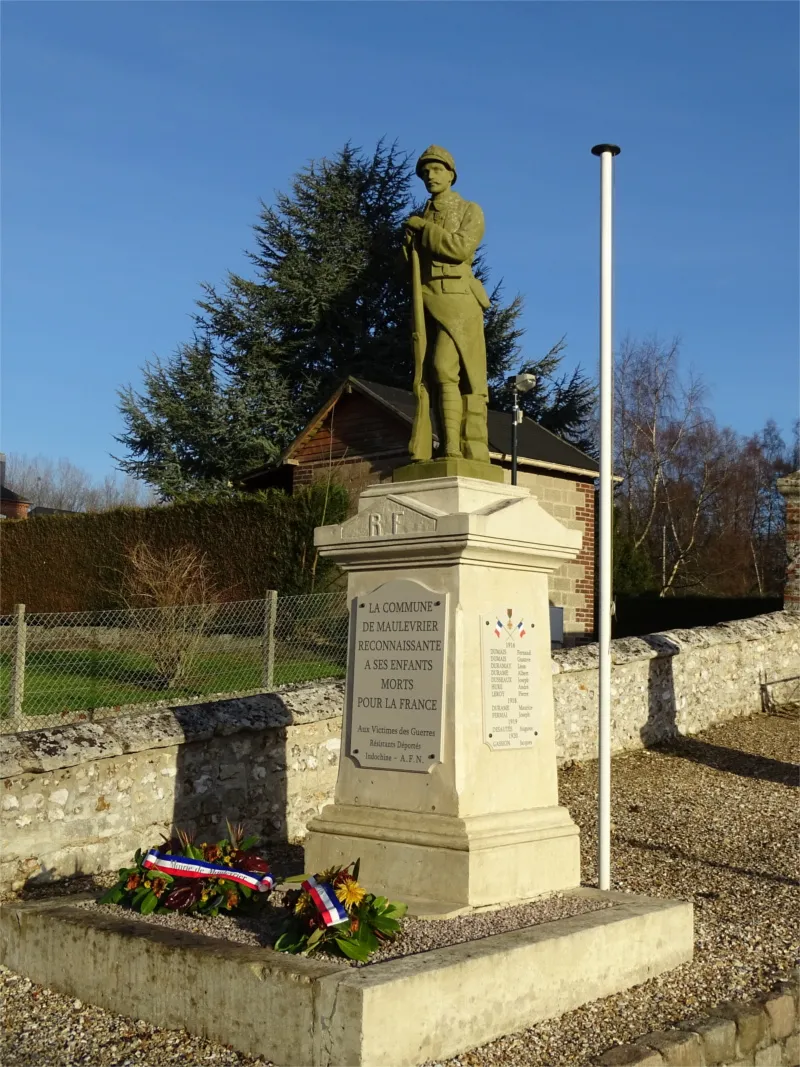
[421, 444]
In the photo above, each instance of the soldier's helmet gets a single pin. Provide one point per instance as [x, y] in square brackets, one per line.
[437, 154]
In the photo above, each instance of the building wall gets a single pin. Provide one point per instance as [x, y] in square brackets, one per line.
[349, 433]
[571, 500]
[83, 798]
[14, 509]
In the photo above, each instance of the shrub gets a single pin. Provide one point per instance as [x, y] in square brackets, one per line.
[250, 543]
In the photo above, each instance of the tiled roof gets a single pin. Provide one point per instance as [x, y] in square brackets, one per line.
[534, 442]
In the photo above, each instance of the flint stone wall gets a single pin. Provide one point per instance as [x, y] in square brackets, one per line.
[82, 798]
[679, 681]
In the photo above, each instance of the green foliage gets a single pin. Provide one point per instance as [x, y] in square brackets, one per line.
[562, 403]
[372, 919]
[191, 432]
[328, 297]
[251, 543]
[145, 890]
[633, 568]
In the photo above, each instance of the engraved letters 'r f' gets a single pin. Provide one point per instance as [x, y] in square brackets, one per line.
[376, 523]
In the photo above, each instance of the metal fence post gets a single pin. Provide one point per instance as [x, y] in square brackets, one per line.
[17, 687]
[270, 617]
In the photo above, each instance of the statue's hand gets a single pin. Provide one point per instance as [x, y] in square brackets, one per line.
[415, 223]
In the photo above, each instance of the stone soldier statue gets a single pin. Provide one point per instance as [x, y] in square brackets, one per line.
[448, 302]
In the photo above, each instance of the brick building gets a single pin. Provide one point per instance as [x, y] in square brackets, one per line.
[361, 434]
[12, 505]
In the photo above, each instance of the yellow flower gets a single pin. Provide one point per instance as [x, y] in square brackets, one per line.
[303, 903]
[350, 893]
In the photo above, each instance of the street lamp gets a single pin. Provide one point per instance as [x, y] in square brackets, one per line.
[520, 383]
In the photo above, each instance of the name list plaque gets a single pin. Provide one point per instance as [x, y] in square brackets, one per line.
[396, 677]
[509, 718]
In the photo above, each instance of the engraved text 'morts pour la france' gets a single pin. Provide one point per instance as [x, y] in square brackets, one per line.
[510, 720]
[396, 677]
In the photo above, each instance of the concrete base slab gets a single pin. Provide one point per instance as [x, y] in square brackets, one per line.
[298, 1011]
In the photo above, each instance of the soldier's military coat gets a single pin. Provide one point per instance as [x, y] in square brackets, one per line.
[453, 297]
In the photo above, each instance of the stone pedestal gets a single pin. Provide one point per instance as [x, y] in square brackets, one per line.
[447, 788]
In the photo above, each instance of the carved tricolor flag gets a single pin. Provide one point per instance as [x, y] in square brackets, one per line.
[328, 905]
[498, 629]
[521, 628]
[183, 867]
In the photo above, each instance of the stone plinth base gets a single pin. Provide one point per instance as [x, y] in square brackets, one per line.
[447, 468]
[458, 863]
[437, 570]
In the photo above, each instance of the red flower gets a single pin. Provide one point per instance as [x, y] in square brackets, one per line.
[183, 897]
[252, 862]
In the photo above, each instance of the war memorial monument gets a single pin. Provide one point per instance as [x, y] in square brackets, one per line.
[447, 790]
[447, 787]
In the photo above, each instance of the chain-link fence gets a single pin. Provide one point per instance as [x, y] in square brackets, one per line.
[57, 668]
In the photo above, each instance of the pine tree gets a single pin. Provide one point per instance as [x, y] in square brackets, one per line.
[562, 403]
[328, 297]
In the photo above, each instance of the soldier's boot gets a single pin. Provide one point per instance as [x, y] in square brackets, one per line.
[451, 420]
[474, 432]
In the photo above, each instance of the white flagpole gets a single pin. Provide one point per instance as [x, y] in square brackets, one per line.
[606, 152]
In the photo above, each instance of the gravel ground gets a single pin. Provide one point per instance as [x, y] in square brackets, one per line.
[712, 819]
[45, 1029]
[418, 935]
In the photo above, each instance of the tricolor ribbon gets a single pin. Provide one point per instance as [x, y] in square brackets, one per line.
[183, 867]
[328, 905]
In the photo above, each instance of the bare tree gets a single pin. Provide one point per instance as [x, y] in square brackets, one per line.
[656, 415]
[175, 600]
[697, 505]
[62, 484]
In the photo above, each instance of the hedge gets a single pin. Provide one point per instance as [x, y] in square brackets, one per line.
[651, 614]
[251, 543]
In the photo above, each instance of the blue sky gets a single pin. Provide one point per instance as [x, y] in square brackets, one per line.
[137, 139]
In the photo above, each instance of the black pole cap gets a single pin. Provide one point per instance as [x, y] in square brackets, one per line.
[598, 149]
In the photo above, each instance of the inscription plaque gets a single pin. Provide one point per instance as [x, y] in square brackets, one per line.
[509, 718]
[396, 677]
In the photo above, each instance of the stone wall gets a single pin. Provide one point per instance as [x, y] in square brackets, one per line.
[82, 798]
[754, 1033]
[679, 681]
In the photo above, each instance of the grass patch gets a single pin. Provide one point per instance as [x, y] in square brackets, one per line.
[59, 681]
